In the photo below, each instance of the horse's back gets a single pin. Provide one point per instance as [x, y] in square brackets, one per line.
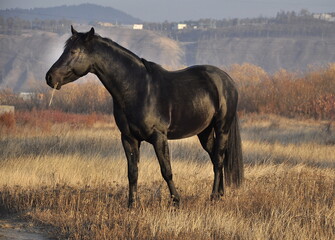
[198, 83]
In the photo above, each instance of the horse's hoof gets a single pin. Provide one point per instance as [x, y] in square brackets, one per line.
[175, 201]
[133, 203]
[216, 196]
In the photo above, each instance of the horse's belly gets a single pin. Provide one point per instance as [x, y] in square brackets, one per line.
[188, 124]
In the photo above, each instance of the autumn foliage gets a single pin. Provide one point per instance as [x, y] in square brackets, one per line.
[310, 94]
[44, 119]
[7, 120]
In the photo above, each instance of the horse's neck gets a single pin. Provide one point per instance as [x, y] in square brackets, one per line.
[120, 71]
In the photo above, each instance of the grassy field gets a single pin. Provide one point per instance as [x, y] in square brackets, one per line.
[74, 180]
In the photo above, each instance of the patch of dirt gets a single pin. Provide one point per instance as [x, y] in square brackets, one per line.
[13, 227]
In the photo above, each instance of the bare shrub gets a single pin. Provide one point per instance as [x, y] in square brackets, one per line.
[291, 94]
[7, 121]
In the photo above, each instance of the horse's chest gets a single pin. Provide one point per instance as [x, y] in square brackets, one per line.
[134, 124]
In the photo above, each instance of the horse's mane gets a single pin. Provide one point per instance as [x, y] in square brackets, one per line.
[110, 43]
[115, 46]
[72, 39]
[69, 42]
[106, 41]
[151, 66]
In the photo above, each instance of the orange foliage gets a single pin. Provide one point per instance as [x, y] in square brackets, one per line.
[290, 94]
[309, 95]
[44, 119]
[7, 121]
[247, 74]
[83, 98]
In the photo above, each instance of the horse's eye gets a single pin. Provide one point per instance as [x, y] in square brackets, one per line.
[73, 52]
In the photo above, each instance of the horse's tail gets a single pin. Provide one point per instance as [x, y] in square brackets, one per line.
[233, 163]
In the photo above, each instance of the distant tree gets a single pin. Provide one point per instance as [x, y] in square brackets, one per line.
[305, 13]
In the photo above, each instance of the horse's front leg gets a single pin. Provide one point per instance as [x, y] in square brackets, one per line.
[159, 141]
[131, 147]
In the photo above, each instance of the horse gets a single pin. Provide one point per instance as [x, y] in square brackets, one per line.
[155, 105]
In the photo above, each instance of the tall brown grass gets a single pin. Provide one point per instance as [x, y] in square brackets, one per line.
[75, 180]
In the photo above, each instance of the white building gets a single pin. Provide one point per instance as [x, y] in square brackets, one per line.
[6, 109]
[324, 16]
[181, 26]
[27, 96]
[106, 24]
[138, 26]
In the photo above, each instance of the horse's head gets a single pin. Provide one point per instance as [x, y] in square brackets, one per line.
[75, 61]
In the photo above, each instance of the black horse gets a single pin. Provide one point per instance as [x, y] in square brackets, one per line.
[152, 104]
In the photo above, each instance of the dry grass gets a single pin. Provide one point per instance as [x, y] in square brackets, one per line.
[75, 180]
[271, 139]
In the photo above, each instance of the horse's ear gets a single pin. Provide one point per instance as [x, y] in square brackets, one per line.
[90, 34]
[73, 31]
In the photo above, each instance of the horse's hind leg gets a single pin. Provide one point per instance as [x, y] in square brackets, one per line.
[159, 141]
[218, 159]
[221, 127]
[208, 140]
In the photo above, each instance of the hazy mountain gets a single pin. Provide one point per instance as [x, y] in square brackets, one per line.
[83, 13]
[26, 58]
[290, 41]
[272, 54]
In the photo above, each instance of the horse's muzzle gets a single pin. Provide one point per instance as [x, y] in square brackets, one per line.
[50, 82]
[48, 78]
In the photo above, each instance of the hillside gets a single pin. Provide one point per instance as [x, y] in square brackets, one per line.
[83, 13]
[270, 53]
[293, 41]
[28, 56]
[290, 40]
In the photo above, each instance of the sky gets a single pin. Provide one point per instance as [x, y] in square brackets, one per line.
[179, 10]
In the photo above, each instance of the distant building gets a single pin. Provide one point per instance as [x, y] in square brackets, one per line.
[6, 109]
[26, 96]
[181, 26]
[106, 24]
[324, 16]
[138, 26]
